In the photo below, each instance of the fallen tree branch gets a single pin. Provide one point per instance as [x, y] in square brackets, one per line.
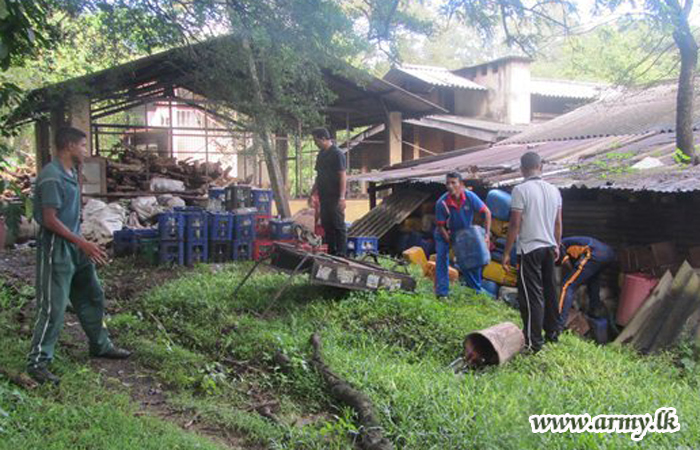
[371, 435]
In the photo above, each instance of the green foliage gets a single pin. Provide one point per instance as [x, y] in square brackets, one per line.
[396, 347]
[630, 52]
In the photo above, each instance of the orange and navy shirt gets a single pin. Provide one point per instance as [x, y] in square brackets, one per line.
[583, 248]
[457, 214]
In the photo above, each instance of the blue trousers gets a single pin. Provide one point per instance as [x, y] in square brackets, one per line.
[587, 273]
[469, 277]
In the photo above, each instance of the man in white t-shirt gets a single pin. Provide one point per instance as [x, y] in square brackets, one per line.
[535, 221]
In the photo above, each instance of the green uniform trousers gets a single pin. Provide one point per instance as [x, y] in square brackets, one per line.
[63, 272]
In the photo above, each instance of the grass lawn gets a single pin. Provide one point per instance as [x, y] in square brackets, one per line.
[242, 364]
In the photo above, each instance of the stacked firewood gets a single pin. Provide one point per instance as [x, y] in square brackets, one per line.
[18, 179]
[133, 170]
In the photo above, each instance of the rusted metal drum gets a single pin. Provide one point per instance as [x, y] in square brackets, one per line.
[495, 345]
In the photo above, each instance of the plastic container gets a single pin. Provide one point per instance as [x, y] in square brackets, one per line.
[171, 226]
[416, 255]
[490, 287]
[262, 200]
[196, 252]
[636, 288]
[430, 272]
[242, 250]
[244, 224]
[220, 226]
[124, 242]
[262, 248]
[238, 196]
[172, 252]
[281, 229]
[148, 249]
[361, 245]
[196, 226]
[470, 248]
[499, 228]
[496, 272]
[498, 202]
[220, 251]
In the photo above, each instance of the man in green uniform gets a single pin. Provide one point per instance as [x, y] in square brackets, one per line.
[65, 267]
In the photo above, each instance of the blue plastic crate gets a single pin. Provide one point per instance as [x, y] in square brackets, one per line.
[172, 252]
[242, 250]
[360, 245]
[124, 242]
[220, 251]
[196, 252]
[217, 194]
[171, 226]
[281, 229]
[244, 222]
[196, 226]
[262, 200]
[220, 226]
[127, 240]
[237, 196]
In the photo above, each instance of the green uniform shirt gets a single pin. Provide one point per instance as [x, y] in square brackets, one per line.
[58, 188]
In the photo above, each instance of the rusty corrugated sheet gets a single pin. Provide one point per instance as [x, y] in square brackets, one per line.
[632, 111]
[571, 163]
[393, 210]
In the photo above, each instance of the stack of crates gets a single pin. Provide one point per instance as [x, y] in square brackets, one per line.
[278, 230]
[171, 230]
[261, 200]
[220, 237]
[196, 234]
[243, 233]
[237, 196]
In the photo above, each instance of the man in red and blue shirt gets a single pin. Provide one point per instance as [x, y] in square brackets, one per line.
[454, 211]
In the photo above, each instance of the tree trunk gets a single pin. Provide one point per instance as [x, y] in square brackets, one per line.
[260, 124]
[688, 48]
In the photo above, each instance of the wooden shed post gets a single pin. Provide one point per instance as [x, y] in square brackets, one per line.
[42, 143]
[78, 111]
[394, 138]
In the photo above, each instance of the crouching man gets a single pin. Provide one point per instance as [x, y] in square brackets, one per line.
[454, 211]
[65, 268]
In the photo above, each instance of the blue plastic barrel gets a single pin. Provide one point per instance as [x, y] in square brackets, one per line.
[499, 203]
[470, 248]
[490, 287]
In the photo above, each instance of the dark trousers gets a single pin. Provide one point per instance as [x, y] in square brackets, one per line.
[537, 296]
[333, 223]
[585, 272]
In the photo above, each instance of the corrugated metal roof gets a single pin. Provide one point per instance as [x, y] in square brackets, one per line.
[466, 126]
[579, 90]
[629, 111]
[391, 211]
[437, 76]
[602, 163]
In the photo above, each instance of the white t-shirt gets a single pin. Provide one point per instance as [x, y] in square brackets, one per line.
[540, 203]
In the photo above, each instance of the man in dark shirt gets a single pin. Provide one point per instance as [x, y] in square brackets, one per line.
[330, 187]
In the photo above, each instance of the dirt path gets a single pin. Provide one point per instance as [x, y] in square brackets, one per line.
[121, 284]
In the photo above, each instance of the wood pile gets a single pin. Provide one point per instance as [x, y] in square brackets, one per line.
[17, 178]
[133, 171]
